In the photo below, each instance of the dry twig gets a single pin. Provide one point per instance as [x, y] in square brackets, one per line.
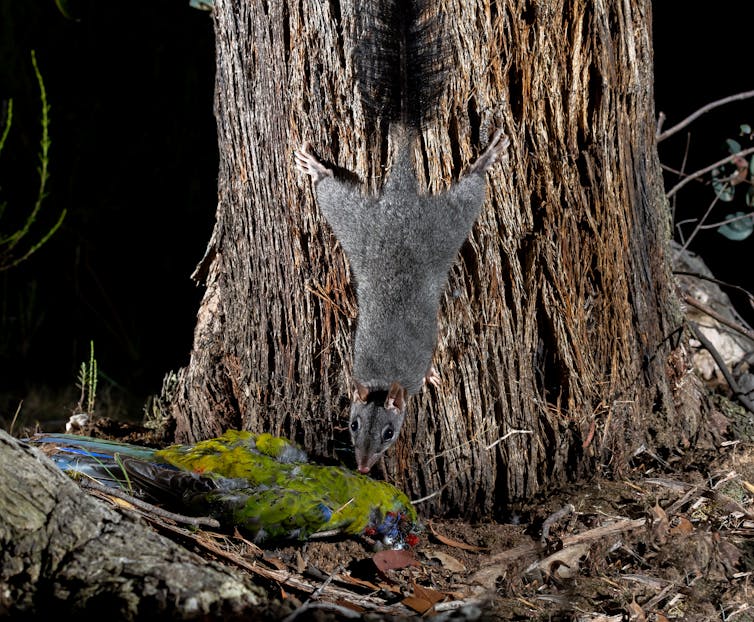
[695, 115]
[145, 506]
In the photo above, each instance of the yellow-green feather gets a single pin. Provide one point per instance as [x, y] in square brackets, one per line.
[355, 499]
[260, 483]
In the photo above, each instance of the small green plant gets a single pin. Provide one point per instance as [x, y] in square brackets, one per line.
[11, 254]
[119, 476]
[87, 382]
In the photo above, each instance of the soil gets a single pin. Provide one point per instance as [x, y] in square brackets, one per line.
[669, 539]
[659, 544]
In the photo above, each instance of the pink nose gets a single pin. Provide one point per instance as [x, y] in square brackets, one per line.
[363, 469]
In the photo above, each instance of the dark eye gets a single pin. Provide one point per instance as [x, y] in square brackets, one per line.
[355, 425]
[387, 434]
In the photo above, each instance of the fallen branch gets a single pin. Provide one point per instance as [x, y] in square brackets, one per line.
[693, 302]
[739, 395]
[291, 579]
[63, 551]
[487, 574]
[144, 506]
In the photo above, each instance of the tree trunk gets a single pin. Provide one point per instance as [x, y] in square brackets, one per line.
[560, 346]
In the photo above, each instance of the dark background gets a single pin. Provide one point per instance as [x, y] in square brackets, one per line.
[702, 56]
[134, 160]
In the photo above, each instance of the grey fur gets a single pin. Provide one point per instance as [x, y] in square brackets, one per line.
[400, 245]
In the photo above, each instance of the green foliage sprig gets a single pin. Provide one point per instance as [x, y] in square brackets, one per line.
[87, 382]
[9, 255]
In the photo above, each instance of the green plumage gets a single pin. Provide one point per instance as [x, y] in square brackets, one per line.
[257, 482]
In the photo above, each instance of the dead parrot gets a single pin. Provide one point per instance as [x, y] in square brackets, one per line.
[260, 483]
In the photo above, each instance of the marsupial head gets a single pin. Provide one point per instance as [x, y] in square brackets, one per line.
[376, 419]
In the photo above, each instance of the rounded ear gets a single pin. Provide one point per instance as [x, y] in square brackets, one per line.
[396, 397]
[360, 393]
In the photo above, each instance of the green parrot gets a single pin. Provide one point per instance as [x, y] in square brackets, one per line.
[260, 483]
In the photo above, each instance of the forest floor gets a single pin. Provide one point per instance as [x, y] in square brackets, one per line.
[663, 542]
[670, 539]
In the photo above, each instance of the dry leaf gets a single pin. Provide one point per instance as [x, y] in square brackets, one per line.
[681, 526]
[749, 486]
[300, 562]
[417, 604]
[350, 579]
[448, 561]
[636, 612]
[350, 605]
[393, 560]
[423, 598]
[728, 554]
[731, 506]
[427, 593]
[659, 523]
[455, 543]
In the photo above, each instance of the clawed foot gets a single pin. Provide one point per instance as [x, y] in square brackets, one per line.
[432, 378]
[307, 162]
[495, 151]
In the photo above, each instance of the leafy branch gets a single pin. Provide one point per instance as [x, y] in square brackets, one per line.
[708, 169]
[726, 174]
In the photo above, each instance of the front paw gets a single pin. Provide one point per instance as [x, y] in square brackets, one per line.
[496, 150]
[432, 377]
[307, 162]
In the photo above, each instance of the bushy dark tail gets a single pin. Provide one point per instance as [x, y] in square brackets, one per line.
[401, 59]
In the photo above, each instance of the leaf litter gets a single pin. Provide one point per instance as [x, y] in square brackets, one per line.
[663, 543]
